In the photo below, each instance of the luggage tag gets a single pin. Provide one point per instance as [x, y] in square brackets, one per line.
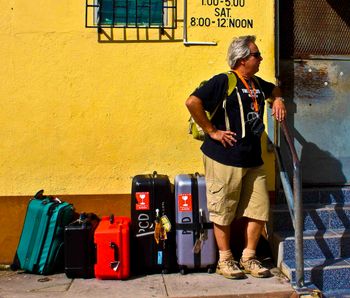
[203, 236]
[200, 241]
[166, 223]
[158, 233]
[162, 227]
[203, 233]
[197, 246]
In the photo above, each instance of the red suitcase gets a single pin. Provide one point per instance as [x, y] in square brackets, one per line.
[112, 241]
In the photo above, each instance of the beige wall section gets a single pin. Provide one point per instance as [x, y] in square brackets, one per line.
[79, 116]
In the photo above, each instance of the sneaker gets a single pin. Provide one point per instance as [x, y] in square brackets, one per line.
[229, 269]
[254, 268]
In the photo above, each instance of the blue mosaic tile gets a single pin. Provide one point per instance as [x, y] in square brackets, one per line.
[326, 239]
[330, 279]
[335, 195]
[340, 217]
[325, 274]
[316, 219]
[317, 245]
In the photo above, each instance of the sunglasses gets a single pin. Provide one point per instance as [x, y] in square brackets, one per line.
[256, 54]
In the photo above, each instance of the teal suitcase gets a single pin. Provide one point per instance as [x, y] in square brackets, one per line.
[40, 248]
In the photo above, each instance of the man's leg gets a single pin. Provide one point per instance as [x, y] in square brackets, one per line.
[226, 264]
[253, 233]
[254, 207]
[223, 190]
[248, 261]
[222, 236]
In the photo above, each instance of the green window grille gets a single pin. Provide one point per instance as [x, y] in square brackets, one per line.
[131, 13]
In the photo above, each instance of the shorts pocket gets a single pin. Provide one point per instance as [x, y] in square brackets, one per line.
[216, 197]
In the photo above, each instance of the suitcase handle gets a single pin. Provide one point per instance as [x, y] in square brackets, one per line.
[116, 262]
[40, 196]
[111, 218]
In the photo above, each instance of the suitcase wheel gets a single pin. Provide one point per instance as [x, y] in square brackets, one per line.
[165, 271]
[211, 269]
[183, 270]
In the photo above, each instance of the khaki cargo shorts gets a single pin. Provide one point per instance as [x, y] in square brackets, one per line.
[234, 192]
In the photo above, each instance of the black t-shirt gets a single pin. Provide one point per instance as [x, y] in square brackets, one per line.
[246, 152]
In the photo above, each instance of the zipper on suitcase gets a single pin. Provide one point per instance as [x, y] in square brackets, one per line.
[49, 214]
[33, 238]
[57, 224]
[195, 216]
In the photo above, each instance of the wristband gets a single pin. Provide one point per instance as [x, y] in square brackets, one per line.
[280, 98]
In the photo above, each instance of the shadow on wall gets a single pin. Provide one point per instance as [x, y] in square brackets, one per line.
[319, 167]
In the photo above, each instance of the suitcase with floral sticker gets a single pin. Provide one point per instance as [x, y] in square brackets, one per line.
[152, 228]
[195, 242]
[112, 241]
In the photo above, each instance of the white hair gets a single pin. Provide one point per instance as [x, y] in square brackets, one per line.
[238, 49]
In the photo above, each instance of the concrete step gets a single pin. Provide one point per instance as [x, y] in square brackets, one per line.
[327, 275]
[316, 217]
[329, 244]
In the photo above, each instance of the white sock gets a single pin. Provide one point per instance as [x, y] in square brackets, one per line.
[225, 255]
[248, 254]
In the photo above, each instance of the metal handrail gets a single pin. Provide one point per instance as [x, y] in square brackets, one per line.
[293, 197]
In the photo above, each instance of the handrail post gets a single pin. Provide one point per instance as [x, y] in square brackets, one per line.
[297, 209]
[299, 226]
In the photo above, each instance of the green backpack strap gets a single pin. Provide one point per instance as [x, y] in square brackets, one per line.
[231, 85]
[194, 129]
[232, 82]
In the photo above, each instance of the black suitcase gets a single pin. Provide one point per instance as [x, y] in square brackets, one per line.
[80, 254]
[153, 248]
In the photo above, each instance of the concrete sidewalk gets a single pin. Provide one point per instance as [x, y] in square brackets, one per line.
[20, 284]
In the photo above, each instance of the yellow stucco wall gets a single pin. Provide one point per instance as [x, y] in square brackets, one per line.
[82, 112]
[82, 116]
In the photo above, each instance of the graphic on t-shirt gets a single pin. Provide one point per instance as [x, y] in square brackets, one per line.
[185, 202]
[251, 116]
[245, 91]
[142, 199]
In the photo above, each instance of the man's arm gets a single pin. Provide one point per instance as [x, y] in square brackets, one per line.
[278, 107]
[195, 107]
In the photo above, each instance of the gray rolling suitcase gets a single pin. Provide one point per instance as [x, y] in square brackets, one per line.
[195, 242]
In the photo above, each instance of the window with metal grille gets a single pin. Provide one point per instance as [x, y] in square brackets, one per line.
[130, 13]
[320, 27]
